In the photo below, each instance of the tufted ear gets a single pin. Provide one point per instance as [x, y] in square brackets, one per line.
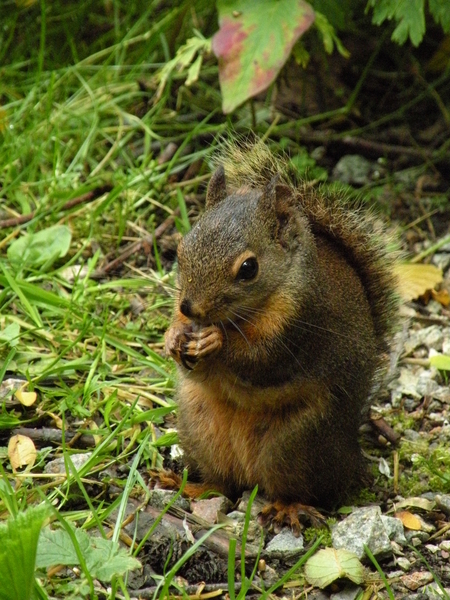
[217, 188]
[277, 204]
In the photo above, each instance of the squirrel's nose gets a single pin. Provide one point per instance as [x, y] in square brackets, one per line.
[186, 308]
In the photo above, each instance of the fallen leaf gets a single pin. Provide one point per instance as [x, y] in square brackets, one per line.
[414, 280]
[440, 361]
[21, 452]
[409, 520]
[329, 564]
[416, 502]
[441, 296]
[26, 398]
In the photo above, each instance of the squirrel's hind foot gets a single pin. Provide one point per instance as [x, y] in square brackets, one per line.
[278, 515]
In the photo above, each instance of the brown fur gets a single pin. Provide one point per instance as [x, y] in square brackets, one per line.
[275, 369]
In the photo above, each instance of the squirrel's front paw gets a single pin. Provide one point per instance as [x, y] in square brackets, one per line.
[176, 338]
[204, 342]
[187, 347]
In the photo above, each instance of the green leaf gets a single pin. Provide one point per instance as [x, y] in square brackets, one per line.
[440, 361]
[409, 14]
[329, 564]
[18, 543]
[45, 246]
[104, 559]
[440, 9]
[253, 43]
[10, 334]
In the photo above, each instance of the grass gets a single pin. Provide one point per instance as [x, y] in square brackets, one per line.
[80, 144]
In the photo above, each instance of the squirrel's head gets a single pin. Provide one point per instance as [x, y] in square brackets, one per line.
[241, 250]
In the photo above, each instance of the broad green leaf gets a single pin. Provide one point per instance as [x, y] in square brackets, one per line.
[10, 334]
[104, 558]
[18, 543]
[329, 564]
[440, 361]
[253, 43]
[45, 246]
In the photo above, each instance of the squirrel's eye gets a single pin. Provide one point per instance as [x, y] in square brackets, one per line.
[248, 270]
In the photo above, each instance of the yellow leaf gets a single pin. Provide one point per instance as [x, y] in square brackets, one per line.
[409, 520]
[21, 452]
[26, 398]
[442, 296]
[415, 280]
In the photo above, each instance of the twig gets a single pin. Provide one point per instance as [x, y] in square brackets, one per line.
[88, 197]
[54, 436]
[135, 247]
[378, 423]
[367, 147]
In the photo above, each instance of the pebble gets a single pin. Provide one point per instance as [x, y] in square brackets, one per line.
[404, 563]
[209, 508]
[443, 502]
[416, 580]
[363, 527]
[58, 465]
[350, 592]
[285, 545]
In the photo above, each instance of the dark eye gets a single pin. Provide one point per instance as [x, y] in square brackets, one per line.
[248, 270]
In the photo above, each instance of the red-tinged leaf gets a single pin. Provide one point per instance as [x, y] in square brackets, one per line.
[253, 43]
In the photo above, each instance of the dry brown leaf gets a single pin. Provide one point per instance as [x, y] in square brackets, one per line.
[442, 296]
[21, 452]
[409, 520]
[26, 398]
[415, 280]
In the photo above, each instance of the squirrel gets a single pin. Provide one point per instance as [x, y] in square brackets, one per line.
[285, 304]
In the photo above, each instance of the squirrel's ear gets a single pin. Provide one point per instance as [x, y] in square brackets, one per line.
[277, 204]
[217, 188]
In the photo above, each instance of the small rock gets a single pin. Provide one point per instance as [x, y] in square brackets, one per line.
[394, 529]
[159, 498]
[443, 503]
[432, 548]
[285, 545]
[209, 508]
[58, 466]
[236, 515]
[445, 545]
[441, 260]
[363, 527]
[270, 576]
[431, 337]
[404, 563]
[258, 504]
[394, 574]
[417, 538]
[353, 169]
[434, 592]
[350, 592]
[416, 580]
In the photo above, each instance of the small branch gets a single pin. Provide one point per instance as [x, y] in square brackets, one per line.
[367, 147]
[380, 425]
[88, 197]
[135, 247]
[55, 436]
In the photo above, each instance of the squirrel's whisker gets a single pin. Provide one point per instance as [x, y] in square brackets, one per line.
[239, 329]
